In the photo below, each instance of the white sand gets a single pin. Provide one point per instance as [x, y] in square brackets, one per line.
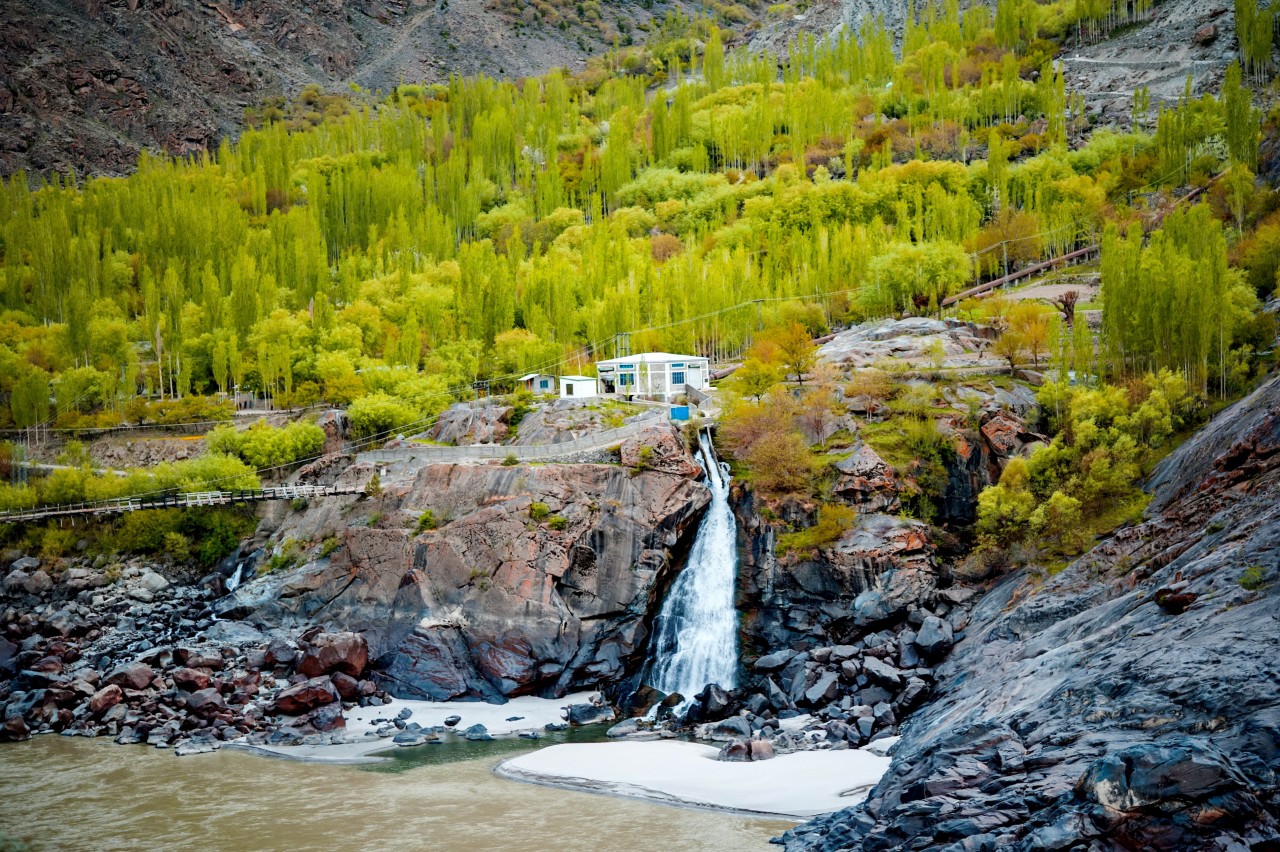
[801, 784]
[535, 713]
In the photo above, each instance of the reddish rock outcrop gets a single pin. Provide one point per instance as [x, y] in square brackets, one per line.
[306, 696]
[326, 653]
[660, 449]
[867, 482]
[131, 676]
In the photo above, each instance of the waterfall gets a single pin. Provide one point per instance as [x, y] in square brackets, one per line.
[695, 638]
[233, 582]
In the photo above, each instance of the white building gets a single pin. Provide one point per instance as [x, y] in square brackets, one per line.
[577, 387]
[660, 374]
[538, 383]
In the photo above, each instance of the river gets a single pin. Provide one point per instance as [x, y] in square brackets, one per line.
[64, 793]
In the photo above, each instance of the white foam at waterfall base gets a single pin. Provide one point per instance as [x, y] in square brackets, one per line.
[695, 636]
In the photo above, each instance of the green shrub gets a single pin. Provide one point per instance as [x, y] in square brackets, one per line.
[285, 557]
[539, 512]
[263, 446]
[209, 534]
[57, 541]
[378, 415]
[1252, 578]
[330, 546]
[644, 458]
[833, 520]
[510, 460]
[177, 546]
[558, 522]
[426, 521]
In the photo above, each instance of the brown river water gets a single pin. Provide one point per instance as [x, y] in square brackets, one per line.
[64, 793]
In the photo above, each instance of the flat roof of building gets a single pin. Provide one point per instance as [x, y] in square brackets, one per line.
[652, 357]
[578, 378]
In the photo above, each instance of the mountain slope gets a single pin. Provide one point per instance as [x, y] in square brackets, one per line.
[86, 84]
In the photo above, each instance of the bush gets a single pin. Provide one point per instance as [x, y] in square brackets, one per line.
[644, 458]
[378, 415]
[558, 522]
[1252, 578]
[833, 521]
[510, 460]
[285, 557]
[1058, 521]
[214, 533]
[57, 542]
[539, 512]
[264, 446]
[426, 521]
[177, 546]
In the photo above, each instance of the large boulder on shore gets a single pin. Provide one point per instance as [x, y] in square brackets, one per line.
[306, 696]
[326, 653]
[131, 676]
[535, 578]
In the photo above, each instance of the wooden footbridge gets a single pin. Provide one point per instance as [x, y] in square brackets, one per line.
[178, 501]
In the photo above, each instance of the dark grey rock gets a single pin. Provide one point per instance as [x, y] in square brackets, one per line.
[1076, 714]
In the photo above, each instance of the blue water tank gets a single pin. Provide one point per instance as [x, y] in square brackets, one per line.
[680, 412]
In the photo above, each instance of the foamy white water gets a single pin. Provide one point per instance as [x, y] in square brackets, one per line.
[695, 639]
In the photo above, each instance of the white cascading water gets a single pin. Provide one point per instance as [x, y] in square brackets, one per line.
[695, 638]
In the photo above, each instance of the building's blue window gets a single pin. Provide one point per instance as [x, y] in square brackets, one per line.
[546, 384]
[677, 378]
[677, 366]
[626, 379]
[626, 366]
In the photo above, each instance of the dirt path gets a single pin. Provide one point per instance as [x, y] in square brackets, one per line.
[1158, 53]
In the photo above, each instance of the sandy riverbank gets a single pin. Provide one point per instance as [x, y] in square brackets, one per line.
[791, 785]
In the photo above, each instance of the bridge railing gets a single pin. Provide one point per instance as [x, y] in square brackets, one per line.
[178, 501]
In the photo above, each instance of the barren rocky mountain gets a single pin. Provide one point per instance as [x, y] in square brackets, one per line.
[87, 84]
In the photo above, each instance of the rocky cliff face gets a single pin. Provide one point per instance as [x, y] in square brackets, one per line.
[1130, 702]
[535, 579]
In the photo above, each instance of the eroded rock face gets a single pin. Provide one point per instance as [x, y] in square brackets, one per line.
[1081, 714]
[871, 577]
[479, 422]
[919, 341]
[537, 579]
[867, 482]
[658, 448]
[568, 419]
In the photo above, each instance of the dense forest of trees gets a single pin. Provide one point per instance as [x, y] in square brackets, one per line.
[392, 252]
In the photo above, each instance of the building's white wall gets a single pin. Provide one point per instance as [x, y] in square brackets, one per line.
[582, 388]
[654, 378]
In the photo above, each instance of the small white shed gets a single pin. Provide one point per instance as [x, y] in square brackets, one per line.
[538, 383]
[577, 387]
